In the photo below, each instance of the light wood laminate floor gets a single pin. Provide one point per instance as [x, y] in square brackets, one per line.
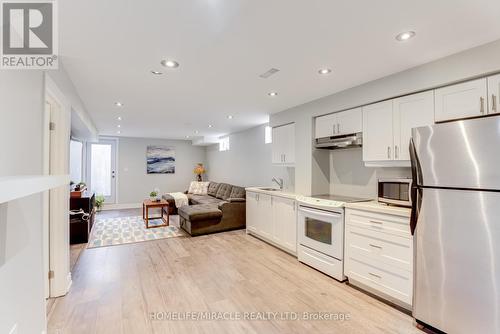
[115, 290]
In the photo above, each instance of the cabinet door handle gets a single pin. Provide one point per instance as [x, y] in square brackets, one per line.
[338, 128]
[396, 151]
[375, 275]
[375, 246]
[284, 157]
[388, 152]
[493, 103]
[333, 128]
[481, 99]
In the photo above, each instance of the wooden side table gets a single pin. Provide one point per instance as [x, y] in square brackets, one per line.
[149, 204]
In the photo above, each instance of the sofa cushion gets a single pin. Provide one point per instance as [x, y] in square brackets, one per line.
[212, 188]
[200, 212]
[224, 191]
[238, 192]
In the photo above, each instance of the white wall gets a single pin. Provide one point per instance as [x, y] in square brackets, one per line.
[134, 184]
[21, 270]
[248, 162]
[82, 125]
[312, 168]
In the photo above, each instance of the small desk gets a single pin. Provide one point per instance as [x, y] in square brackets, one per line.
[149, 204]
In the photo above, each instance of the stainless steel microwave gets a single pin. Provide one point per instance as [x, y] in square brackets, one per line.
[395, 191]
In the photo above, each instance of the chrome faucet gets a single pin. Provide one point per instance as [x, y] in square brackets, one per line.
[279, 182]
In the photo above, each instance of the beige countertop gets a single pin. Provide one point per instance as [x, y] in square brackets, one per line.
[375, 206]
[279, 193]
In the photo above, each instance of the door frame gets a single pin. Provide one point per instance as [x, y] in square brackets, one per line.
[114, 166]
[56, 201]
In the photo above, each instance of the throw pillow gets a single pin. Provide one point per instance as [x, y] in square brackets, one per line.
[198, 188]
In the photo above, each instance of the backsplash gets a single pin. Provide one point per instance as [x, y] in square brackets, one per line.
[350, 177]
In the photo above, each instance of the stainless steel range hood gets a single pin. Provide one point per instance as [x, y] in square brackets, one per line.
[340, 142]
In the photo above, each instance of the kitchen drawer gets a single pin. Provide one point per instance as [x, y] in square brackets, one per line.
[394, 225]
[391, 281]
[387, 249]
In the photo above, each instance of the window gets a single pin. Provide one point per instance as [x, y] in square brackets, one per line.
[268, 135]
[224, 144]
[76, 161]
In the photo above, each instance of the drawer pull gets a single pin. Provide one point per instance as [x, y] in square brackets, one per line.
[376, 222]
[375, 275]
[375, 246]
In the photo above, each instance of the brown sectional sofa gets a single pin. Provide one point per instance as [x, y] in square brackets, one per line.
[222, 209]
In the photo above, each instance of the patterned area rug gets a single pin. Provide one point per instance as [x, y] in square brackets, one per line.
[126, 230]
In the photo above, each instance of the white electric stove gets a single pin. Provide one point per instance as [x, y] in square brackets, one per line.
[321, 232]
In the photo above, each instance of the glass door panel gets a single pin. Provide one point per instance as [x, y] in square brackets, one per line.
[102, 178]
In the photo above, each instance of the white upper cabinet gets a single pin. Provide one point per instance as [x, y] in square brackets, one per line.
[349, 121]
[493, 94]
[410, 111]
[283, 146]
[378, 139]
[468, 99]
[340, 123]
[325, 125]
[387, 127]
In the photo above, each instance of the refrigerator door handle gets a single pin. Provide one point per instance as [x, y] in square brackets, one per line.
[414, 190]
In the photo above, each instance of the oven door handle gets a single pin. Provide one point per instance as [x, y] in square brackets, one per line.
[322, 213]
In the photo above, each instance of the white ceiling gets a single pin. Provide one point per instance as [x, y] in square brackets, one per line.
[109, 48]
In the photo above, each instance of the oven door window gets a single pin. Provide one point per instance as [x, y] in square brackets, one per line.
[318, 230]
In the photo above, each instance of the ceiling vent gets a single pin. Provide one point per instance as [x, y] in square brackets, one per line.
[267, 74]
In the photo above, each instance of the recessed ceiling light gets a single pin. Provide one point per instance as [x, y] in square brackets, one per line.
[272, 94]
[119, 118]
[118, 132]
[196, 131]
[325, 71]
[229, 116]
[169, 63]
[187, 137]
[118, 104]
[404, 36]
[156, 72]
[210, 125]
[118, 126]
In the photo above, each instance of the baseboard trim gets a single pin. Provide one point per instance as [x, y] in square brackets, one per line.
[121, 206]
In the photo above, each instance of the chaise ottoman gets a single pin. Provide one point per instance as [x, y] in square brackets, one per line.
[199, 219]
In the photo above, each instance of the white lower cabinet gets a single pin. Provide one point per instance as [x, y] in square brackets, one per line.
[379, 254]
[272, 218]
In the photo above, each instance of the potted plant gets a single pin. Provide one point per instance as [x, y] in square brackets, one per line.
[153, 195]
[99, 201]
[199, 170]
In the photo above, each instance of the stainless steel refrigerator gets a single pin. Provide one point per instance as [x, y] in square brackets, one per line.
[456, 225]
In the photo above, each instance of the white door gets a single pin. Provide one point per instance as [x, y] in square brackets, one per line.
[494, 94]
[285, 223]
[410, 112]
[463, 100]
[377, 132]
[326, 126]
[56, 208]
[265, 225]
[252, 211]
[289, 144]
[102, 169]
[349, 121]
